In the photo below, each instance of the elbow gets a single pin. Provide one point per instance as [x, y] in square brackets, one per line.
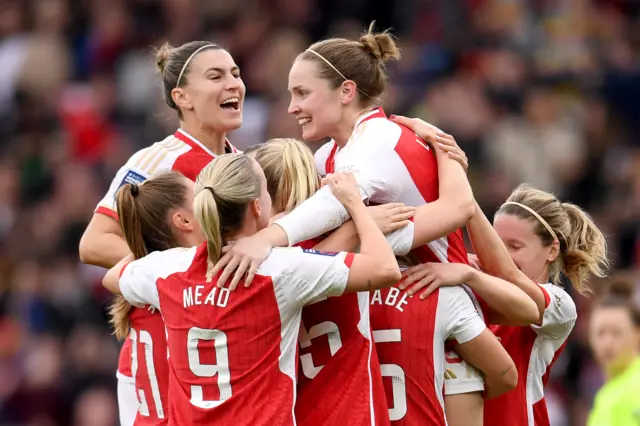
[531, 313]
[389, 275]
[467, 209]
[511, 379]
[85, 251]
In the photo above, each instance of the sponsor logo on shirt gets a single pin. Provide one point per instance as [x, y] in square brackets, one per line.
[132, 177]
[320, 252]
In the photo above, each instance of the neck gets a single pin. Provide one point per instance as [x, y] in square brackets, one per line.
[213, 140]
[247, 230]
[346, 127]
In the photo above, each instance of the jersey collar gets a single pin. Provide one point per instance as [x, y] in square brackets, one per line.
[185, 137]
[376, 113]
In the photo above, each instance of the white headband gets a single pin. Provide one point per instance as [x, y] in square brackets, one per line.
[335, 69]
[184, 67]
[537, 216]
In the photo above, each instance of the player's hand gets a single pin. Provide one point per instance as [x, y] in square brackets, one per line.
[435, 137]
[425, 131]
[447, 144]
[240, 258]
[392, 216]
[433, 276]
[344, 188]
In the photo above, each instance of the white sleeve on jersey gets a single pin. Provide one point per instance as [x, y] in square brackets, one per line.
[402, 240]
[379, 179]
[138, 281]
[461, 319]
[307, 275]
[131, 172]
[559, 316]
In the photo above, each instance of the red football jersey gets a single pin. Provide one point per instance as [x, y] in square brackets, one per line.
[392, 164]
[338, 362]
[232, 355]
[534, 350]
[149, 366]
[180, 152]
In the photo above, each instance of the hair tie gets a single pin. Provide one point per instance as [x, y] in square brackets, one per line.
[537, 216]
[336, 70]
[135, 189]
[211, 190]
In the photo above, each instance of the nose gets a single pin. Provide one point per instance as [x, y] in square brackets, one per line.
[233, 83]
[293, 107]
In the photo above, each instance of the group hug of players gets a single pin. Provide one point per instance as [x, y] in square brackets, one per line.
[274, 288]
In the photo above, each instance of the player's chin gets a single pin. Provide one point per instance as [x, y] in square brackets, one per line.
[310, 133]
[229, 124]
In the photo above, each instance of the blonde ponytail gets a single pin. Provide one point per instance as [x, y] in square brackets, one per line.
[583, 248]
[223, 191]
[291, 173]
[206, 213]
[586, 251]
[119, 316]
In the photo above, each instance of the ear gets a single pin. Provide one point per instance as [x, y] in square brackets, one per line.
[181, 98]
[255, 208]
[348, 91]
[182, 221]
[554, 251]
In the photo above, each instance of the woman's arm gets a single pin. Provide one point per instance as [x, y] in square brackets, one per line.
[375, 266]
[111, 280]
[102, 243]
[494, 259]
[510, 305]
[487, 354]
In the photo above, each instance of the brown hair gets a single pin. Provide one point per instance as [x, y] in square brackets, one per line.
[620, 294]
[361, 61]
[143, 212]
[223, 191]
[291, 172]
[171, 61]
[583, 248]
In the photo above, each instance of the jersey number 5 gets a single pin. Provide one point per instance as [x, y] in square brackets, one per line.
[396, 373]
[221, 369]
[335, 342]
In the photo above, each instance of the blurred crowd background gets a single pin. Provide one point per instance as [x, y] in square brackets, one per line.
[539, 91]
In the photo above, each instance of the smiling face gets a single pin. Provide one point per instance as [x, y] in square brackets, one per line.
[524, 246]
[214, 91]
[315, 104]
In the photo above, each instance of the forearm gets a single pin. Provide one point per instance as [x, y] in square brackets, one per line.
[495, 258]
[316, 216]
[513, 305]
[491, 251]
[104, 250]
[112, 277]
[453, 208]
[345, 238]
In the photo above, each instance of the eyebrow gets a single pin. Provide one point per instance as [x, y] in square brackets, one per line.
[221, 70]
[294, 88]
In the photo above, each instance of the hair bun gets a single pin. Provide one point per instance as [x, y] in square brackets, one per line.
[621, 287]
[381, 46]
[162, 56]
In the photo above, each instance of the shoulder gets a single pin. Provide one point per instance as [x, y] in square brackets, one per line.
[381, 131]
[559, 300]
[158, 157]
[296, 261]
[161, 264]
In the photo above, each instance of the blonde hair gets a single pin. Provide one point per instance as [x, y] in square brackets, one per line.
[223, 191]
[583, 247]
[291, 172]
